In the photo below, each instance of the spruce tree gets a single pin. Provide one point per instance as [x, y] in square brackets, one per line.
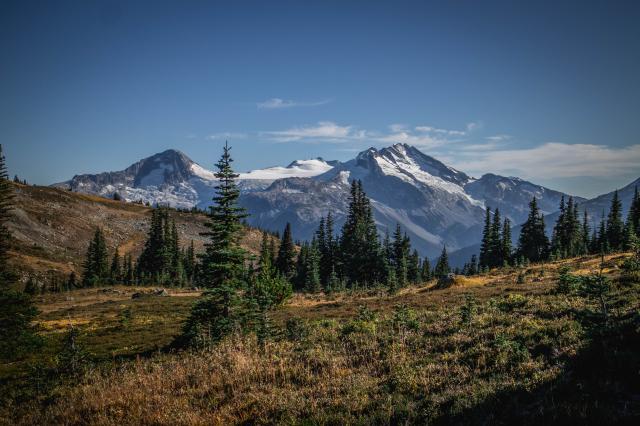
[633, 216]
[301, 268]
[496, 257]
[115, 273]
[312, 268]
[222, 263]
[615, 226]
[96, 265]
[533, 243]
[585, 233]
[359, 244]
[413, 268]
[506, 249]
[286, 261]
[426, 269]
[487, 243]
[442, 267]
[17, 311]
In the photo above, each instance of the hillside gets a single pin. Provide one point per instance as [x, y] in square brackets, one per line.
[493, 348]
[52, 228]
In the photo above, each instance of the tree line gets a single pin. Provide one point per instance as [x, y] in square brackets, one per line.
[572, 235]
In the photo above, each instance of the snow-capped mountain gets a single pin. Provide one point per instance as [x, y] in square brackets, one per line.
[435, 204]
[172, 178]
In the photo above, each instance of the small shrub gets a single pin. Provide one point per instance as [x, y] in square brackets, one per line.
[468, 310]
[296, 329]
[512, 302]
[404, 318]
[567, 282]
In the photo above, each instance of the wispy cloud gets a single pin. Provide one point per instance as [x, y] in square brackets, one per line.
[323, 131]
[277, 103]
[328, 131]
[553, 160]
[226, 135]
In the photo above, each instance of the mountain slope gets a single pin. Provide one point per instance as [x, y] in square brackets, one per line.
[171, 178]
[52, 228]
[434, 203]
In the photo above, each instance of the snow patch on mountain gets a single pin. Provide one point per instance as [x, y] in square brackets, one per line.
[298, 168]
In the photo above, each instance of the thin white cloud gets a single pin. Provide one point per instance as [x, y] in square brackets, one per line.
[226, 135]
[323, 131]
[498, 138]
[553, 160]
[277, 103]
[328, 131]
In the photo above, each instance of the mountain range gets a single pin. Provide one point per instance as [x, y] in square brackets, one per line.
[435, 204]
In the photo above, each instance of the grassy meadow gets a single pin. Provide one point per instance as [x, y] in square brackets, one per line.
[501, 348]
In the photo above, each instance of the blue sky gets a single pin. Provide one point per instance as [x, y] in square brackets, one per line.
[547, 91]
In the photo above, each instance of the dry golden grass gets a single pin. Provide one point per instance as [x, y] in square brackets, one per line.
[411, 357]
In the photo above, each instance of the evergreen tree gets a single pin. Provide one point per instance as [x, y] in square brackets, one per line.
[602, 240]
[585, 233]
[16, 308]
[400, 261]
[312, 269]
[222, 263]
[426, 270]
[115, 273]
[442, 267]
[190, 262]
[96, 266]
[7, 275]
[487, 243]
[473, 265]
[633, 216]
[301, 268]
[286, 261]
[265, 252]
[413, 268]
[359, 244]
[615, 226]
[506, 249]
[533, 243]
[495, 245]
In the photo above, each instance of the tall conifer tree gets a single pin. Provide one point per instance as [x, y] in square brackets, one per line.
[222, 263]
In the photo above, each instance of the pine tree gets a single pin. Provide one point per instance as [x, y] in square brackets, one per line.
[413, 268]
[487, 243]
[399, 257]
[533, 243]
[359, 245]
[115, 273]
[312, 269]
[190, 262]
[495, 246]
[96, 266]
[442, 267]
[286, 261]
[7, 275]
[602, 240]
[222, 263]
[473, 265]
[633, 216]
[585, 233]
[265, 253]
[426, 270]
[301, 268]
[506, 249]
[615, 226]
[17, 311]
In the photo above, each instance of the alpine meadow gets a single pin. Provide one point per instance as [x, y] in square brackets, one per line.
[332, 213]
